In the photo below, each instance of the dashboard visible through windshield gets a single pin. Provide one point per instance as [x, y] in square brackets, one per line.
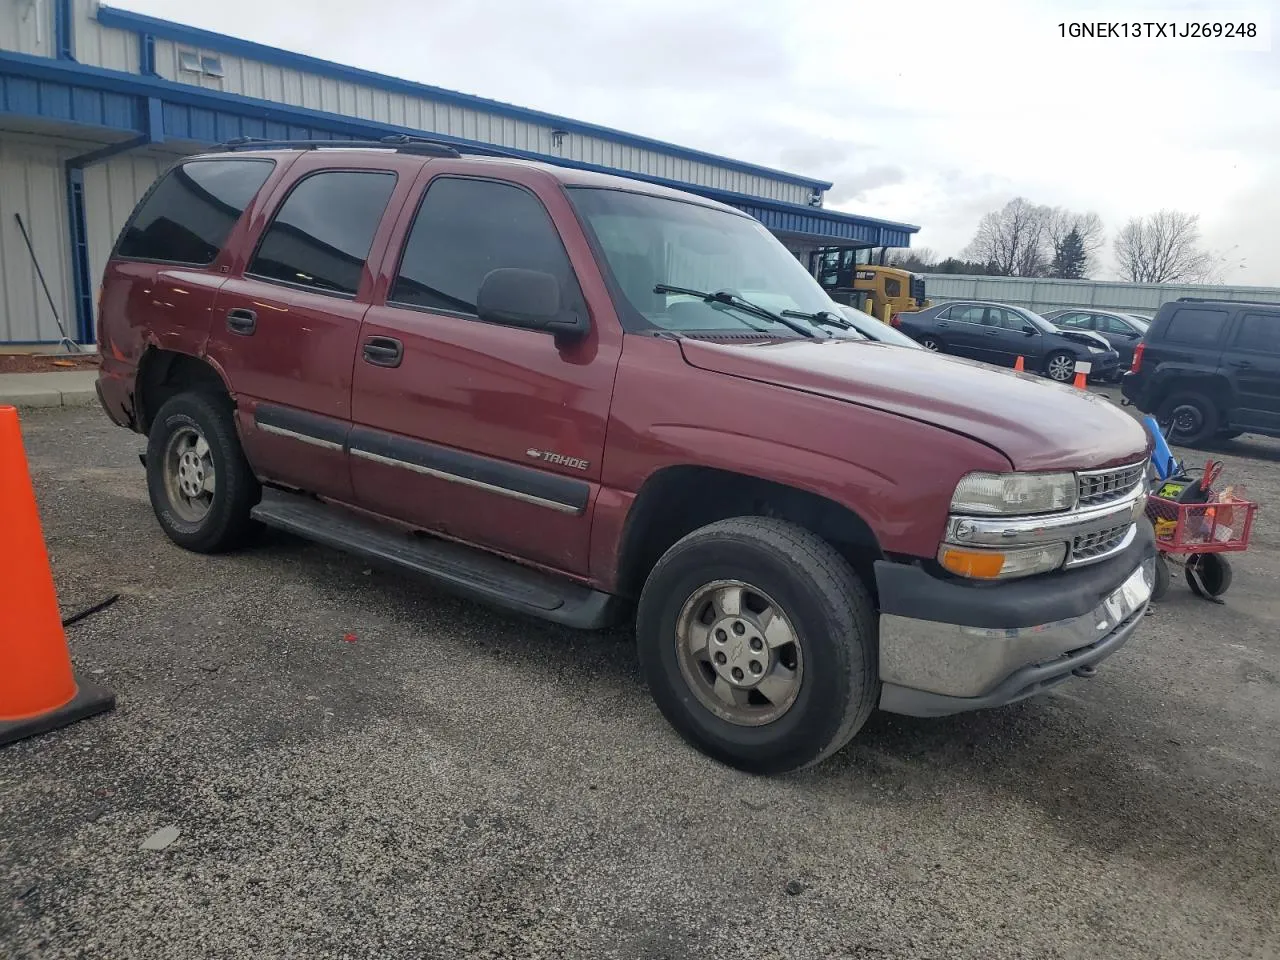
[653, 241]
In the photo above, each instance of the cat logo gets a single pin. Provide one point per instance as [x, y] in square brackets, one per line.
[559, 459]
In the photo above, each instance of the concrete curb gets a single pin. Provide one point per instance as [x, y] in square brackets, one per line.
[35, 391]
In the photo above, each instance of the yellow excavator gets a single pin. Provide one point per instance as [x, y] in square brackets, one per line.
[850, 277]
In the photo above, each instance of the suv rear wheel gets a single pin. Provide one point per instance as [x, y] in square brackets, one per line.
[1190, 419]
[200, 484]
[758, 643]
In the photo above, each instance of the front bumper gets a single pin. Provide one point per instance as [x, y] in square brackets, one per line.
[1103, 366]
[948, 646]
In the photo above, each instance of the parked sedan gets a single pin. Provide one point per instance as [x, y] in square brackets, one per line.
[1123, 331]
[999, 333]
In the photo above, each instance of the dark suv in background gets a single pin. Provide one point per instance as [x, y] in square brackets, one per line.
[1209, 369]
[999, 333]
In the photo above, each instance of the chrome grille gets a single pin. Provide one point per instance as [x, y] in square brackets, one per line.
[1096, 487]
[1090, 545]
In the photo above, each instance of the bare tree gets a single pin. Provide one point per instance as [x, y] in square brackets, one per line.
[919, 260]
[1164, 247]
[1013, 239]
[1088, 226]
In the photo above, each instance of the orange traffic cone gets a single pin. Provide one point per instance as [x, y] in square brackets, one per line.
[38, 691]
[1082, 375]
[1018, 364]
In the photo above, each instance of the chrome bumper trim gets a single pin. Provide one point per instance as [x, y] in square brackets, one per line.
[949, 660]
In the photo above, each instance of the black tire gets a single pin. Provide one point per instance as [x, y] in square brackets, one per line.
[831, 611]
[1060, 355]
[1197, 413]
[1214, 571]
[931, 343]
[226, 524]
[1163, 578]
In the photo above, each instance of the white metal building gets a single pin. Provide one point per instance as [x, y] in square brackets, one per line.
[96, 101]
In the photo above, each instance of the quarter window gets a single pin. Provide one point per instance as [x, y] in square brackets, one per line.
[321, 236]
[466, 228]
[188, 215]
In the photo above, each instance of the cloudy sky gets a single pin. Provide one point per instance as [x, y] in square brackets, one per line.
[926, 111]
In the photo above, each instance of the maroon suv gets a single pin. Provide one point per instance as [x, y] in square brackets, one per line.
[583, 397]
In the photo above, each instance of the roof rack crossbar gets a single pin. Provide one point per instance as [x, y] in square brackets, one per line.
[400, 142]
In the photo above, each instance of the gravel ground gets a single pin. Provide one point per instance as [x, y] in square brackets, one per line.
[360, 766]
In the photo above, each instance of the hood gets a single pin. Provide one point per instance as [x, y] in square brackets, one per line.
[1087, 337]
[1037, 424]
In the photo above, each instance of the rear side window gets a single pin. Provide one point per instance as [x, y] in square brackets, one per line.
[1260, 332]
[464, 229]
[189, 213]
[320, 237]
[1195, 326]
[968, 314]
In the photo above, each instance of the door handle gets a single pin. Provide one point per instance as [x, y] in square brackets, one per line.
[383, 351]
[243, 322]
[943, 323]
[1242, 364]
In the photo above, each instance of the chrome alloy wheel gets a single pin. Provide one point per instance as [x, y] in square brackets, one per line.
[739, 653]
[189, 476]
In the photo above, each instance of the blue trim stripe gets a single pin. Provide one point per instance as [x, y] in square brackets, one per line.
[208, 40]
[67, 103]
[81, 279]
[64, 28]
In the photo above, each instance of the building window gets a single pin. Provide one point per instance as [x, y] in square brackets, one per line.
[212, 66]
[188, 62]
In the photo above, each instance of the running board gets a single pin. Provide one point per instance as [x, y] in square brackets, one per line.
[463, 570]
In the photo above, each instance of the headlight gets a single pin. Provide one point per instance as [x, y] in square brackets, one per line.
[1001, 564]
[1014, 493]
[1096, 350]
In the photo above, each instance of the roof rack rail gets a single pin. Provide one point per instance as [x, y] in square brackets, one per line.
[400, 142]
[1247, 303]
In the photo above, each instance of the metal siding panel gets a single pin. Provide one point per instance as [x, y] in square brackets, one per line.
[253, 84]
[166, 59]
[380, 105]
[22, 33]
[32, 184]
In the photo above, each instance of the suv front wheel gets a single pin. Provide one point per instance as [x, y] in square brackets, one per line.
[200, 484]
[758, 643]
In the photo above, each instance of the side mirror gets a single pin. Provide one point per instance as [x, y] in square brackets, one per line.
[529, 299]
[1029, 330]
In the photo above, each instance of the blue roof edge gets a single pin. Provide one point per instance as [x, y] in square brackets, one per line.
[207, 39]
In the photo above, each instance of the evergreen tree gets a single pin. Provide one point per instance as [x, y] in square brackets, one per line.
[1070, 258]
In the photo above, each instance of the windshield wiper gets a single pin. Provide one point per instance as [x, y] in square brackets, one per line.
[824, 317]
[733, 300]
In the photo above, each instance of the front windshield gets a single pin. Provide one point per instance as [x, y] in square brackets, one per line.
[651, 240]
